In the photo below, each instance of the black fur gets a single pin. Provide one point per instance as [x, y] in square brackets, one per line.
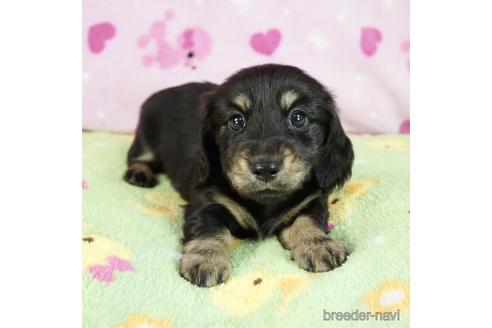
[186, 129]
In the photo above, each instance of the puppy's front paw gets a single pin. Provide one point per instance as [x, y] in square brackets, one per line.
[320, 254]
[205, 269]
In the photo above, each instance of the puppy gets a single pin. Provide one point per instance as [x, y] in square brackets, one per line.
[255, 156]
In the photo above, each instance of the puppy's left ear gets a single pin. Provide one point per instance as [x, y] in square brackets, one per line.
[334, 165]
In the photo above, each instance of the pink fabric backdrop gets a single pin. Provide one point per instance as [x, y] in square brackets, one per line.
[358, 49]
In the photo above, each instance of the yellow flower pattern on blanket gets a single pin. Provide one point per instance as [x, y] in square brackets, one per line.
[390, 296]
[390, 144]
[102, 256]
[342, 202]
[141, 321]
[162, 203]
[131, 251]
[242, 295]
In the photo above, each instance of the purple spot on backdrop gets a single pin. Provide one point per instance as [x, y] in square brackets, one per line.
[370, 38]
[188, 39]
[98, 35]
[405, 127]
[405, 46]
[266, 43]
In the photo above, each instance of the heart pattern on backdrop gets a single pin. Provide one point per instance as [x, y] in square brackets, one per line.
[370, 38]
[176, 39]
[99, 34]
[266, 43]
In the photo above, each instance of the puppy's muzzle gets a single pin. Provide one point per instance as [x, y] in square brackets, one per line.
[265, 170]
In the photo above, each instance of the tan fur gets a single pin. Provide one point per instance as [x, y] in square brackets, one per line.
[242, 216]
[302, 229]
[290, 177]
[147, 156]
[288, 215]
[294, 171]
[310, 246]
[240, 174]
[287, 99]
[207, 256]
[221, 241]
[242, 101]
[137, 166]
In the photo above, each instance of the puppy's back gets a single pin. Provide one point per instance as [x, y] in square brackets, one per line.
[169, 126]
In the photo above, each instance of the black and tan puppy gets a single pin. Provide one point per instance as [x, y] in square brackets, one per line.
[254, 156]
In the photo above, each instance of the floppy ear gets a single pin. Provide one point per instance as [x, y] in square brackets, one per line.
[336, 156]
[208, 153]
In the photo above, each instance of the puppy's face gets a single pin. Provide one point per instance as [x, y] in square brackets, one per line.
[270, 124]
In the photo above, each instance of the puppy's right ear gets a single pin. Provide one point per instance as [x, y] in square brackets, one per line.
[208, 153]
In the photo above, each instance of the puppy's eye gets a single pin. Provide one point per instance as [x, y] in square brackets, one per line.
[297, 118]
[237, 122]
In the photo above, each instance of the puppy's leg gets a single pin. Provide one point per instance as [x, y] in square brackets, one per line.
[206, 259]
[310, 246]
[141, 161]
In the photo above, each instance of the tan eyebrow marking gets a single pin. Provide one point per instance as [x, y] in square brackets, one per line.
[287, 99]
[242, 101]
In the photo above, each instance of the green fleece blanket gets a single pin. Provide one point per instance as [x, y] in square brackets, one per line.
[131, 249]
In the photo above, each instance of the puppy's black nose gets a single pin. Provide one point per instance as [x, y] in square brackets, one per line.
[266, 171]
